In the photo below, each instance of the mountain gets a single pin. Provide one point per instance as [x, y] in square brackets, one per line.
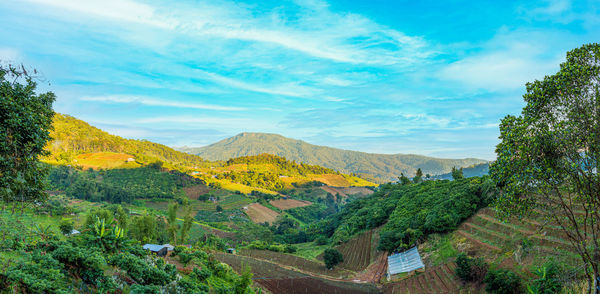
[72, 137]
[470, 171]
[382, 166]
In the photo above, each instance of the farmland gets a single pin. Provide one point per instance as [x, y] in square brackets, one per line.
[357, 252]
[490, 236]
[440, 279]
[284, 204]
[296, 262]
[105, 160]
[277, 279]
[260, 214]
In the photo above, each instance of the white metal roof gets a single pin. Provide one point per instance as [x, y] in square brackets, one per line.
[406, 261]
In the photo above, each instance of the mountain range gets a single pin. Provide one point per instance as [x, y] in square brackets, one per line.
[370, 165]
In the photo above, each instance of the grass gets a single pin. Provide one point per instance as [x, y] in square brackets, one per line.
[310, 250]
[105, 160]
[440, 248]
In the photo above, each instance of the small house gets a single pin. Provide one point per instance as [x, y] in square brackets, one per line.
[130, 159]
[73, 232]
[231, 250]
[160, 250]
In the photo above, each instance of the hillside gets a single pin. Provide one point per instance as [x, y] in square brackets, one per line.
[72, 137]
[383, 166]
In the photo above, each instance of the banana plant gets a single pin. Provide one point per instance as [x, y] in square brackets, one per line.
[99, 228]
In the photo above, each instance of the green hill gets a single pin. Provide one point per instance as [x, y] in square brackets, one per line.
[383, 166]
[72, 137]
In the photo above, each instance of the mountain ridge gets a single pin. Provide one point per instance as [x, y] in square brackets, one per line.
[382, 166]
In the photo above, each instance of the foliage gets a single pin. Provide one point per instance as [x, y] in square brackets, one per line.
[548, 156]
[407, 212]
[548, 280]
[332, 257]
[65, 226]
[281, 165]
[25, 121]
[470, 269]
[457, 173]
[503, 282]
[120, 185]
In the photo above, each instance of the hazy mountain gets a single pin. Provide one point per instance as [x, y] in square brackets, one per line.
[471, 171]
[383, 166]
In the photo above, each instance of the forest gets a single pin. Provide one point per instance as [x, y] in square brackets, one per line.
[408, 212]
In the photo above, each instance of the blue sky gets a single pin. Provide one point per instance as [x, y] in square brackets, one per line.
[424, 77]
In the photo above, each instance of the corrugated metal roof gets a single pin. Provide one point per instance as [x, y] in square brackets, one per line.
[153, 247]
[406, 261]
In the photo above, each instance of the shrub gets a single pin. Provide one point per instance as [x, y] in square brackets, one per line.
[547, 281]
[65, 226]
[503, 282]
[332, 257]
[321, 240]
[290, 249]
[471, 269]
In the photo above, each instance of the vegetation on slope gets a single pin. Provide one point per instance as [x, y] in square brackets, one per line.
[383, 166]
[71, 137]
[120, 185]
[410, 212]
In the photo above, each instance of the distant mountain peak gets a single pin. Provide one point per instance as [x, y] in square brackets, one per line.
[382, 166]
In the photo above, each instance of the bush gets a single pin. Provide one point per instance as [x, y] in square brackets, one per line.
[332, 257]
[65, 226]
[471, 269]
[321, 240]
[290, 249]
[547, 281]
[503, 282]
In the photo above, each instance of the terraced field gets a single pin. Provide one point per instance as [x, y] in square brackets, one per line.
[489, 234]
[439, 279]
[279, 280]
[357, 252]
[297, 262]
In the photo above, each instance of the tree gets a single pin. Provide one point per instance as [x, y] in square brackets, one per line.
[143, 228]
[172, 221]
[332, 257]
[188, 220]
[457, 173]
[418, 176]
[404, 180]
[548, 156]
[25, 121]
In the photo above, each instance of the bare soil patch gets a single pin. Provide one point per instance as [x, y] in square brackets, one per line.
[260, 214]
[284, 204]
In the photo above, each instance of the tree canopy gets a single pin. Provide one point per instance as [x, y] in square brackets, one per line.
[548, 156]
[25, 121]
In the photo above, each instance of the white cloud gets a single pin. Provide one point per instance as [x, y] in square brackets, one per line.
[507, 62]
[318, 32]
[157, 102]
[119, 10]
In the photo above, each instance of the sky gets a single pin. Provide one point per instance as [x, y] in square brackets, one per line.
[424, 77]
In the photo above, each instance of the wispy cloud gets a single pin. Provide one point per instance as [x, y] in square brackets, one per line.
[507, 62]
[320, 33]
[157, 102]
